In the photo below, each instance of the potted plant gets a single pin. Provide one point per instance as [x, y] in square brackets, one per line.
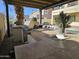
[64, 21]
[64, 18]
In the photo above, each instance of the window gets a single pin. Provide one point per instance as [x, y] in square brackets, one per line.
[45, 12]
[72, 3]
[72, 18]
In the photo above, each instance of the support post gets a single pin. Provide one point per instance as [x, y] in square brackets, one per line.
[20, 13]
[40, 16]
[7, 17]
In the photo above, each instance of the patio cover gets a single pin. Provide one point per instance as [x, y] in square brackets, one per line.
[41, 4]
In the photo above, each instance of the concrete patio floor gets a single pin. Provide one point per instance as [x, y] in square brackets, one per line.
[46, 46]
[49, 47]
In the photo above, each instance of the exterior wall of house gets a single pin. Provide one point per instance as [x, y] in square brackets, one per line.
[46, 15]
[36, 15]
[70, 8]
[46, 20]
[77, 17]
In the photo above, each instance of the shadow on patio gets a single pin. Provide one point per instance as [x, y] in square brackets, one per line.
[48, 48]
[45, 47]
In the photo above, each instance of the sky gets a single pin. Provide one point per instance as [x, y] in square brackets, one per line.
[27, 10]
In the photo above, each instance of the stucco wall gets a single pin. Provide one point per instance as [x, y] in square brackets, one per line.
[77, 17]
[46, 20]
[2, 26]
[32, 24]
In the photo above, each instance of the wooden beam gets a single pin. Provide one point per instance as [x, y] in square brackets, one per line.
[27, 4]
[51, 1]
[7, 16]
[36, 2]
[58, 3]
[43, 1]
[31, 2]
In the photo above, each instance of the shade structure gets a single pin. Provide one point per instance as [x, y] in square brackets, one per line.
[41, 4]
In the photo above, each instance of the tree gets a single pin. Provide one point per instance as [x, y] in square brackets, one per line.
[64, 18]
[19, 13]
